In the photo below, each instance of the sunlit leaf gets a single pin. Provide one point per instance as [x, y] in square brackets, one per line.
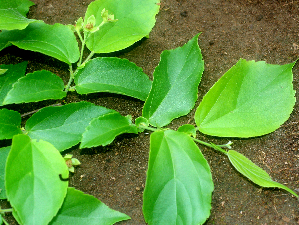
[113, 75]
[251, 99]
[135, 19]
[55, 40]
[37, 86]
[179, 184]
[83, 209]
[63, 126]
[253, 172]
[175, 85]
[3, 156]
[10, 123]
[35, 190]
[104, 129]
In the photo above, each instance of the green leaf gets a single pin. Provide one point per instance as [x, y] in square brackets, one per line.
[174, 89]
[135, 19]
[33, 186]
[10, 123]
[63, 126]
[7, 80]
[113, 75]
[55, 40]
[80, 208]
[253, 172]
[179, 183]
[13, 14]
[104, 129]
[188, 129]
[251, 99]
[3, 156]
[37, 86]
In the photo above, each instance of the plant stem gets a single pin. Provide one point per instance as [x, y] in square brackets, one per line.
[89, 57]
[4, 221]
[70, 80]
[5, 210]
[216, 147]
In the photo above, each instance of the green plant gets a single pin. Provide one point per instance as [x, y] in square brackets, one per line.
[251, 99]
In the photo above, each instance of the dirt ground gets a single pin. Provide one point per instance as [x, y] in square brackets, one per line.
[265, 30]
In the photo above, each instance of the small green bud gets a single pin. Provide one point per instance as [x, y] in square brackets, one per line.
[79, 24]
[106, 17]
[90, 25]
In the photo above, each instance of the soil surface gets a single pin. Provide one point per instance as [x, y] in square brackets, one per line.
[265, 30]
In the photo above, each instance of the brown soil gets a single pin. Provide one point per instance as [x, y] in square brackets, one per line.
[231, 29]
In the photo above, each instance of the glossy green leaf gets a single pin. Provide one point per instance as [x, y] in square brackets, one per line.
[179, 183]
[174, 89]
[3, 156]
[113, 75]
[10, 123]
[104, 129]
[83, 209]
[55, 40]
[63, 126]
[13, 14]
[251, 99]
[253, 172]
[11, 76]
[135, 19]
[37, 86]
[32, 181]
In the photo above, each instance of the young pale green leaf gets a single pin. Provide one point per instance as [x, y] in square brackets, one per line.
[37, 86]
[3, 156]
[63, 126]
[135, 19]
[104, 129]
[10, 123]
[188, 129]
[80, 208]
[253, 172]
[55, 40]
[179, 183]
[251, 99]
[35, 190]
[174, 89]
[113, 75]
[11, 76]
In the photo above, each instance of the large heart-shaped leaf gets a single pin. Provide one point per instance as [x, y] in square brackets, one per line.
[13, 73]
[13, 14]
[10, 123]
[79, 208]
[251, 99]
[37, 86]
[3, 156]
[104, 129]
[113, 75]
[32, 181]
[63, 126]
[135, 19]
[174, 89]
[179, 184]
[253, 172]
[55, 40]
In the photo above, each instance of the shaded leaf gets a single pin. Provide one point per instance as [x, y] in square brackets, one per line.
[135, 19]
[174, 89]
[11, 76]
[35, 191]
[104, 129]
[80, 208]
[63, 126]
[3, 156]
[253, 172]
[251, 99]
[10, 123]
[113, 75]
[179, 184]
[37, 86]
[55, 40]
